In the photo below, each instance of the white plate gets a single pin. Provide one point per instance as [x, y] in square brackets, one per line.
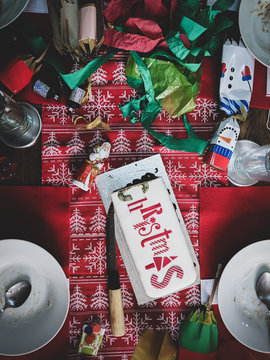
[242, 312]
[10, 10]
[251, 29]
[33, 324]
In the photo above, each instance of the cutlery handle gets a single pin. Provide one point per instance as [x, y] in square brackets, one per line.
[268, 322]
[116, 313]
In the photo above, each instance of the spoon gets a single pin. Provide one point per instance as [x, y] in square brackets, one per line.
[17, 294]
[263, 293]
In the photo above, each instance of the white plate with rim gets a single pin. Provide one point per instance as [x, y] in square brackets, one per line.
[255, 28]
[10, 10]
[37, 321]
[242, 312]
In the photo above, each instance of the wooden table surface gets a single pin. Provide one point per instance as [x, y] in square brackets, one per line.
[28, 171]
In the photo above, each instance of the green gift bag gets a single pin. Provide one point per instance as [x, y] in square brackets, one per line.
[199, 337]
[199, 332]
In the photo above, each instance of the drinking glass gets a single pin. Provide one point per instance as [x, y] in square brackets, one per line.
[20, 123]
[249, 164]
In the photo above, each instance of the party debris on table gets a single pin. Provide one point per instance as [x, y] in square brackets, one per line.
[153, 47]
[157, 345]
[90, 168]
[235, 91]
[77, 27]
[19, 73]
[140, 214]
[7, 169]
[151, 260]
[164, 44]
[199, 332]
[91, 338]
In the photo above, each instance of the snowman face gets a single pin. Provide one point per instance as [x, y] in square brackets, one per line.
[227, 137]
[236, 73]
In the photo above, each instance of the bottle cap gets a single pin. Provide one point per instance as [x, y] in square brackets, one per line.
[70, 109]
[88, 329]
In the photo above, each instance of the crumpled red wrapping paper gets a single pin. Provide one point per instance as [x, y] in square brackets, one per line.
[16, 75]
[143, 22]
[119, 11]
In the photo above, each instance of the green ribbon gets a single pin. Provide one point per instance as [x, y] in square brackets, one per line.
[78, 77]
[150, 109]
[203, 30]
[30, 35]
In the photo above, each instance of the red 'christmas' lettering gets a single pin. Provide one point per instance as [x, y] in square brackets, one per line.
[155, 226]
[160, 262]
[151, 210]
[167, 278]
[160, 246]
[141, 225]
[165, 232]
[135, 203]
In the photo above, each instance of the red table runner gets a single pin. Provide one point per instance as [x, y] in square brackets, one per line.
[209, 90]
[63, 151]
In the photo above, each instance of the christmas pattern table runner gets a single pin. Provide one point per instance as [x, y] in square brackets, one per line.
[64, 149]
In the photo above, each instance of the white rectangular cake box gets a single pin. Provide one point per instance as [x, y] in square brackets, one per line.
[150, 231]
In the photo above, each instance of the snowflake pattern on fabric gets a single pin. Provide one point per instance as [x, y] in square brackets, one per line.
[60, 175]
[171, 322]
[64, 150]
[172, 300]
[119, 76]
[74, 258]
[99, 299]
[57, 113]
[163, 114]
[204, 176]
[192, 220]
[74, 331]
[98, 221]
[145, 143]
[176, 174]
[75, 146]
[135, 323]
[121, 144]
[102, 105]
[78, 300]
[95, 260]
[125, 97]
[206, 110]
[77, 222]
[193, 296]
[51, 147]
